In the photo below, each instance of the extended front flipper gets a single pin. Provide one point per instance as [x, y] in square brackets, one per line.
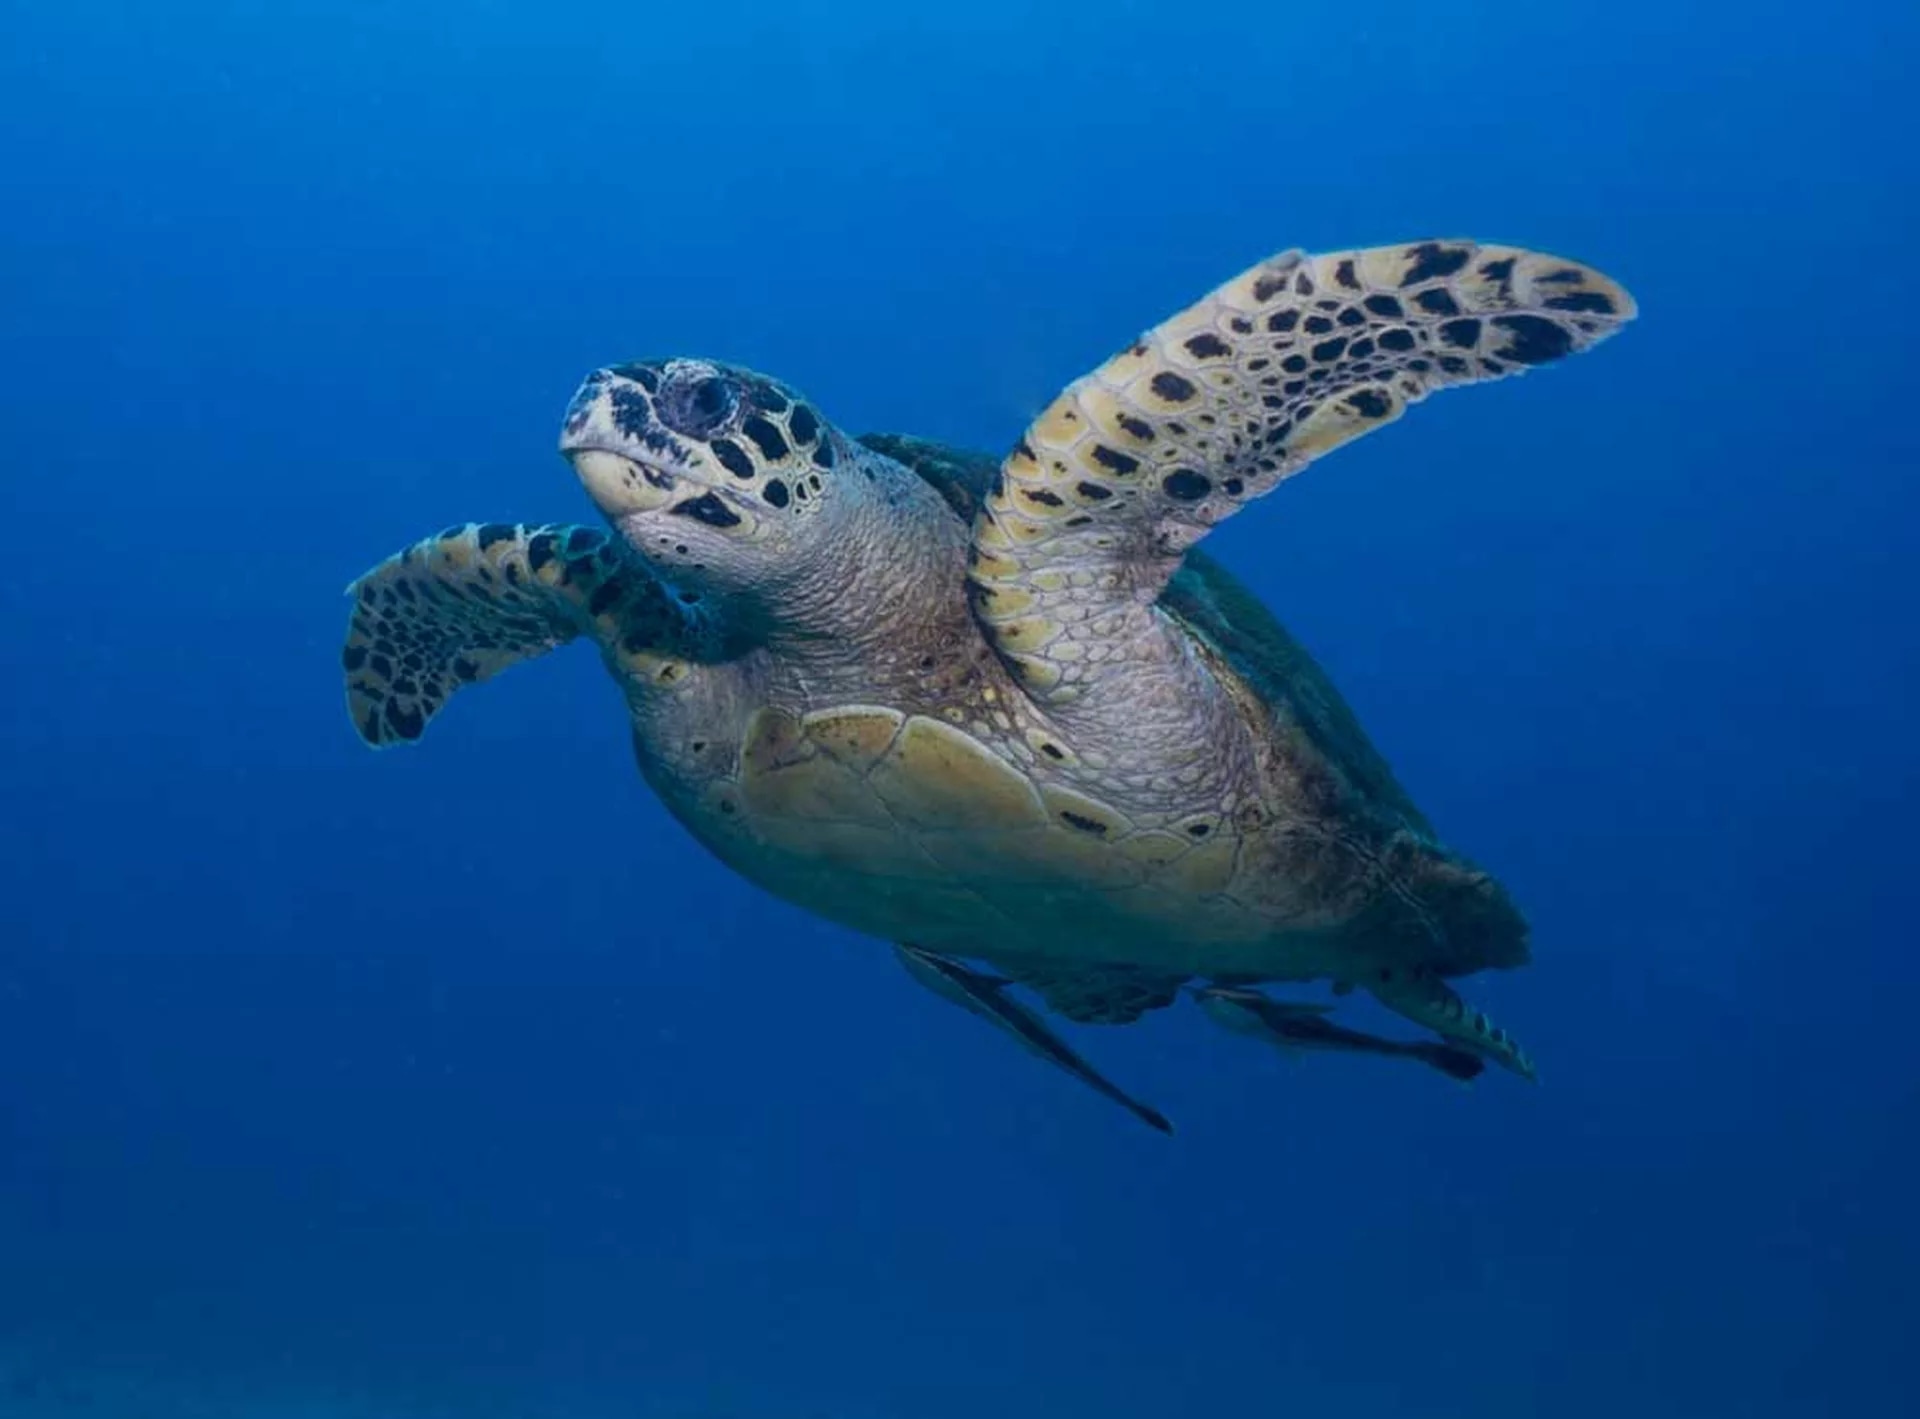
[461, 607]
[987, 996]
[1138, 460]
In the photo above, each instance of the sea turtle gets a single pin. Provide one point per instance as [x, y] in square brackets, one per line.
[1000, 709]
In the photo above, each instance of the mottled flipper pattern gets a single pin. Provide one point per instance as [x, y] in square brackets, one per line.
[1135, 462]
[461, 607]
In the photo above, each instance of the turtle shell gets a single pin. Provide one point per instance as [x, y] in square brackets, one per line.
[1301, 711]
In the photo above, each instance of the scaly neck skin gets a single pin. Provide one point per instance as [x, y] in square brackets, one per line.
[875, 594]
[1155, 710]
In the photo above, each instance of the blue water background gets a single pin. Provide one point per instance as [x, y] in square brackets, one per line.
[459, 1079]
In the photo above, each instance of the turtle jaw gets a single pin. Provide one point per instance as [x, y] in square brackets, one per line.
[620, 486]
[646, 503]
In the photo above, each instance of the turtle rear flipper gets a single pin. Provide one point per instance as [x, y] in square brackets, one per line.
[460, 607]
[987, 996]
[1427, 1000]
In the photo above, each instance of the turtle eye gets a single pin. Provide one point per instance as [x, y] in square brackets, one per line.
[698, 405]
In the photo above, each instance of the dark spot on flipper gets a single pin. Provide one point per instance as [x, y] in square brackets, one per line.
[1208, 346]
[1385, 306]
[494, 532]
[1317, 325]
[1535, 339]
[1186, 485]
[1173, 388]
[823, 456]
[1052, 751]
[1370, 403]
[1138, 428]
[1398, 341]
[1351, 317]
[583, 540]
[1343, 275]
[1501, 270]
[733, 458]
[1120, 464]
[1267, 286]
[1329, 350]
[353, 657]
[804, 424]
[1598, 302]
[604, 596]
[540, 550]
[776, 493]
[1043, 496]
[1282, 321]
[1437, 303]
[1431, 259]
[1093, 491]
[709, 509]
[406, 723]
[1084, 824]
[1463, 334]
[464, 670]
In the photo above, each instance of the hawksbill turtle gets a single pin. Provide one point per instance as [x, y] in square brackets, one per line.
[1001, 710]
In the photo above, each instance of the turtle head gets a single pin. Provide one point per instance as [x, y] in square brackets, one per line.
[725, 479]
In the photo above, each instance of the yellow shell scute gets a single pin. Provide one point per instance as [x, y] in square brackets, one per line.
[773, 741]
[1084, 815]
[938, 777]
[869, 852]
[786, 777]
[1155, 848]
[1206, 869]
[855, 736]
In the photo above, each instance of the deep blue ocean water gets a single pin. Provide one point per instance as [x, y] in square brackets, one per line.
[460, 1080]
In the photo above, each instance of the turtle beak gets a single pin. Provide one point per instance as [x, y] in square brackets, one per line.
[604, 437]
[619, 486]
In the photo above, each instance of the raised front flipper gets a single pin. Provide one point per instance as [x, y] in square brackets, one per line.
[987, 997]
[461, 607]
[1135, 462]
